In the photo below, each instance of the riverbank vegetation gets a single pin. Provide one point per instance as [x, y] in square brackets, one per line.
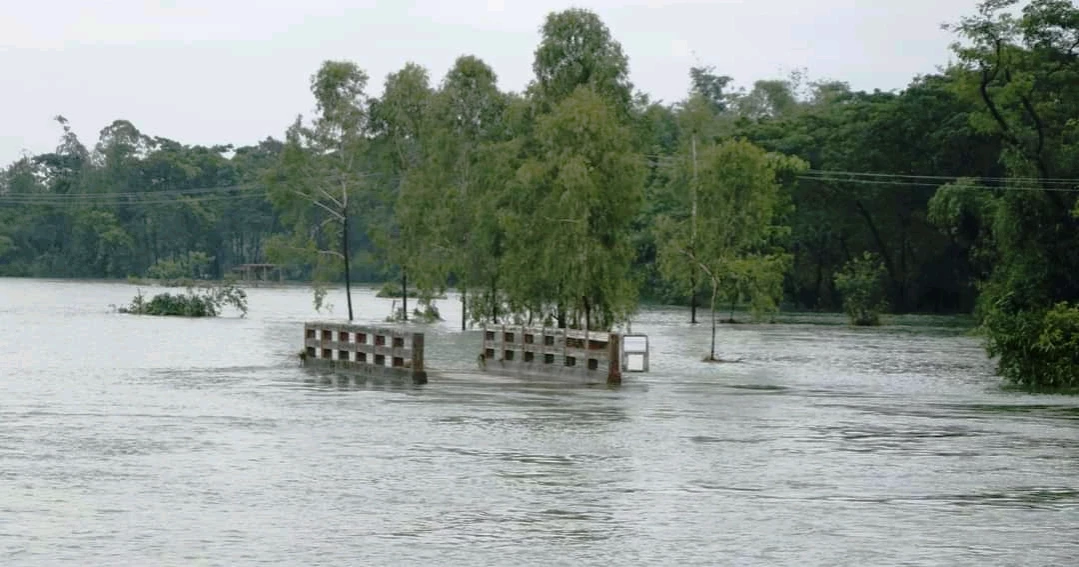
[573, 200]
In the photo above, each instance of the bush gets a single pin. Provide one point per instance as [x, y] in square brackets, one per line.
[202, 302]
[1034, 348]
[861, 283]
[427, 312]
[393, 290]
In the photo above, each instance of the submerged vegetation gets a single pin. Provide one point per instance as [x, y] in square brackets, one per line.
[861, 282]
[574, 199]
[195, 302]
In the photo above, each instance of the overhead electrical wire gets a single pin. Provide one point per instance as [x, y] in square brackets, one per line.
[1057, 185]
[248, 190]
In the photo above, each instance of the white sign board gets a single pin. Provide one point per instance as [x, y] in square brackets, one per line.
[635, 353]
[635, 343]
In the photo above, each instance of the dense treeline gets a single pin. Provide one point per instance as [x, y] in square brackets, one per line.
[574, 199]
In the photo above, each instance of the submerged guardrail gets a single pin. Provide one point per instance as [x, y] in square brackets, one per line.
[373, 351]
[589, 357]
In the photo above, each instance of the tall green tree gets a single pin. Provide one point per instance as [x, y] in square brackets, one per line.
[1024, 72]
[576, 48]
[400, 120]
[572, 206]
[320, 171]
[732, 238]
[465, 120]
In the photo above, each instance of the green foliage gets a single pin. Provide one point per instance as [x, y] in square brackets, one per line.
[1022, 73]
[861, 282]
[576, 49]
[570, 212]
[1034, 348]
[319, 174]
[193, 265]
[392, 289]
[196, 302]
[319, 300]
[724, 227]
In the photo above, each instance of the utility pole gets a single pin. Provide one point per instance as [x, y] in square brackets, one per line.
[693, 236]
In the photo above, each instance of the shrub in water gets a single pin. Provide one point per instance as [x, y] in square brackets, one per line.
[200, 302]
[861, 282]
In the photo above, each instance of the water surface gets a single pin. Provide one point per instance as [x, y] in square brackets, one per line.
[129, 440]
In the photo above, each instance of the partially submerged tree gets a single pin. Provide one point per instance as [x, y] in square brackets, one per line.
[320, 173]
[861, 282]
[399, 121]
[732, 239]
[571, 209]
[466, 118]
[1023, 72]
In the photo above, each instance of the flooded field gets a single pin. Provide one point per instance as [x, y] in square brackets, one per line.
[129, 440]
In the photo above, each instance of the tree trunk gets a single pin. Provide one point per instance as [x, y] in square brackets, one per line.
[348, 277]
[715, 291]
[587, 318]
[885, 254]
[404, 295]
[693, 240]
[693, 299]
[464, 307]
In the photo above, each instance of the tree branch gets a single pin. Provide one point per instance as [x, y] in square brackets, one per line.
[1039, 128]
[314, 201]
[327, 194]
[983, 89]
[317, 251]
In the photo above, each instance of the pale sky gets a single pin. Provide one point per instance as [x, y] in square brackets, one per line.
[236, 71]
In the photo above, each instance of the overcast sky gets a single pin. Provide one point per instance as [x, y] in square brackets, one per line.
[236, 71]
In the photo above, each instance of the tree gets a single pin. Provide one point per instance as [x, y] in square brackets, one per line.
[466, 118]
[861, 283]
[732, 239]
[400, 119]
[572, 205]
[1024, 72]
[706, 84]
[577, 49]
[699, 124]
[319, 172]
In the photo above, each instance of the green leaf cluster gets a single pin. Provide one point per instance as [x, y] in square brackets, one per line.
[862, 284]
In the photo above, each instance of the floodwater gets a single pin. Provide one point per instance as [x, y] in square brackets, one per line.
[128, 440]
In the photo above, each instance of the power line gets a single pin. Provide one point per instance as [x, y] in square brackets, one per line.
[1055, 181]
[157, 197]
[673, 158]
[73, 197]
[23, 200]
[1058, 185]
[904, 183]
[209, 194]
[244, 191]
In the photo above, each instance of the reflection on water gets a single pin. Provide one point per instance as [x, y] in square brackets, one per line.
[147, 441]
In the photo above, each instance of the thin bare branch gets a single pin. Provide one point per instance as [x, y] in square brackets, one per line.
[314, 201]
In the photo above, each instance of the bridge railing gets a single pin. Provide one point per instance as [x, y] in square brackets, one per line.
[593, 356]
[367, 349]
